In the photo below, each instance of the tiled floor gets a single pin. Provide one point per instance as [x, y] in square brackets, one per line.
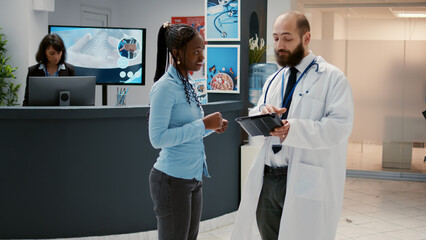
[373, 210]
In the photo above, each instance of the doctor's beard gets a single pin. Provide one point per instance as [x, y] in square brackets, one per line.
[292, 58]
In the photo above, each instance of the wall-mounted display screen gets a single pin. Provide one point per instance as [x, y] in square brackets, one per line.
[116, 56]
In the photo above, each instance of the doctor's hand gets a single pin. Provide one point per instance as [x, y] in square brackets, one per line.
[213, 121]
[281, 132]
[268, 108]
[223, 128]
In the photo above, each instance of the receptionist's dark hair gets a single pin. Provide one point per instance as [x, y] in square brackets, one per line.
[50, 40]
[170, 37]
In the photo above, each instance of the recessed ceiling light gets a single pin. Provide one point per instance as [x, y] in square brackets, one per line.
[410, 14]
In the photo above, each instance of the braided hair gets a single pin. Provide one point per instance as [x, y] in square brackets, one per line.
[171, 37]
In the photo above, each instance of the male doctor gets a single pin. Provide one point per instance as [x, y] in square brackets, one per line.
[294, 190]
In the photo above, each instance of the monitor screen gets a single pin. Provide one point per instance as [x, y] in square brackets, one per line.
[116, 56]
[64, 90]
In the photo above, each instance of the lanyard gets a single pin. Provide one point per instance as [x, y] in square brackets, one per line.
[267, 89]
[294, 87]
[314, 62]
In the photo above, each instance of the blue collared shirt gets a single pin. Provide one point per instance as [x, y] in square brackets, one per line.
[177, 128]
[60, 67]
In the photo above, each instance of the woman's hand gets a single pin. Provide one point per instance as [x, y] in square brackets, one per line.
[213, 121]
[224, 126]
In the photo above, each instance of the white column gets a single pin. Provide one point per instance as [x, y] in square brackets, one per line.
[328, 26]
[333, 26]
[44, 5]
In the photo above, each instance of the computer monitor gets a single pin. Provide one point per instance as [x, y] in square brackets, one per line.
[62, 91]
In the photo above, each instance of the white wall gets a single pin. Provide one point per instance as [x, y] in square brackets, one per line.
[25, 33]
[382, 59]
[32, 27]
[364, 28]
[68, 12]
[315, 22]
[276, 8]
[386, 29]
[146, 14]
[23, 28]
[340, 27]
[131, 13]
[373, 53]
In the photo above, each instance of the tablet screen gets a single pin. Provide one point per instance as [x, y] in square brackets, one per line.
[260, 124]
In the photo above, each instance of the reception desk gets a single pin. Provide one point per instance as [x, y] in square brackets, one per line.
[83, 171]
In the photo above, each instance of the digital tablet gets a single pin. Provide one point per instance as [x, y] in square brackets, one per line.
[260, 124]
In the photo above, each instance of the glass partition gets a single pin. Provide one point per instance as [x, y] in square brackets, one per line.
[388, 79]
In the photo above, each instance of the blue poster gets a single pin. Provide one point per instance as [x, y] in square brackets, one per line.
[222, 20]
[222, 68]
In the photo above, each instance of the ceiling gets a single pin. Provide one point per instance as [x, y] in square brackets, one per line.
[365, 8]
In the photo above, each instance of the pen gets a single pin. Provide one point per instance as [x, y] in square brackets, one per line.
[124, 96]
[118, 97]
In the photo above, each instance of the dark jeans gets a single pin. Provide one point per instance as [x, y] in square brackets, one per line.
[270, 205]
[177, 204]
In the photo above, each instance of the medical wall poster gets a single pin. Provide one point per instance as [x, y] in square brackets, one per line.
[222, 20]
[197, 22]
[223, 68]
[200, 86]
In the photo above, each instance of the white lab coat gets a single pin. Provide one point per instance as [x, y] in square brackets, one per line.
[316, 145]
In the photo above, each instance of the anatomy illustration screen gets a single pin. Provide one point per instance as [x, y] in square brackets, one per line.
[115, 56]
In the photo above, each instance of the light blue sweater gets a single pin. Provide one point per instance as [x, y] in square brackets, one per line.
[177, 128]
